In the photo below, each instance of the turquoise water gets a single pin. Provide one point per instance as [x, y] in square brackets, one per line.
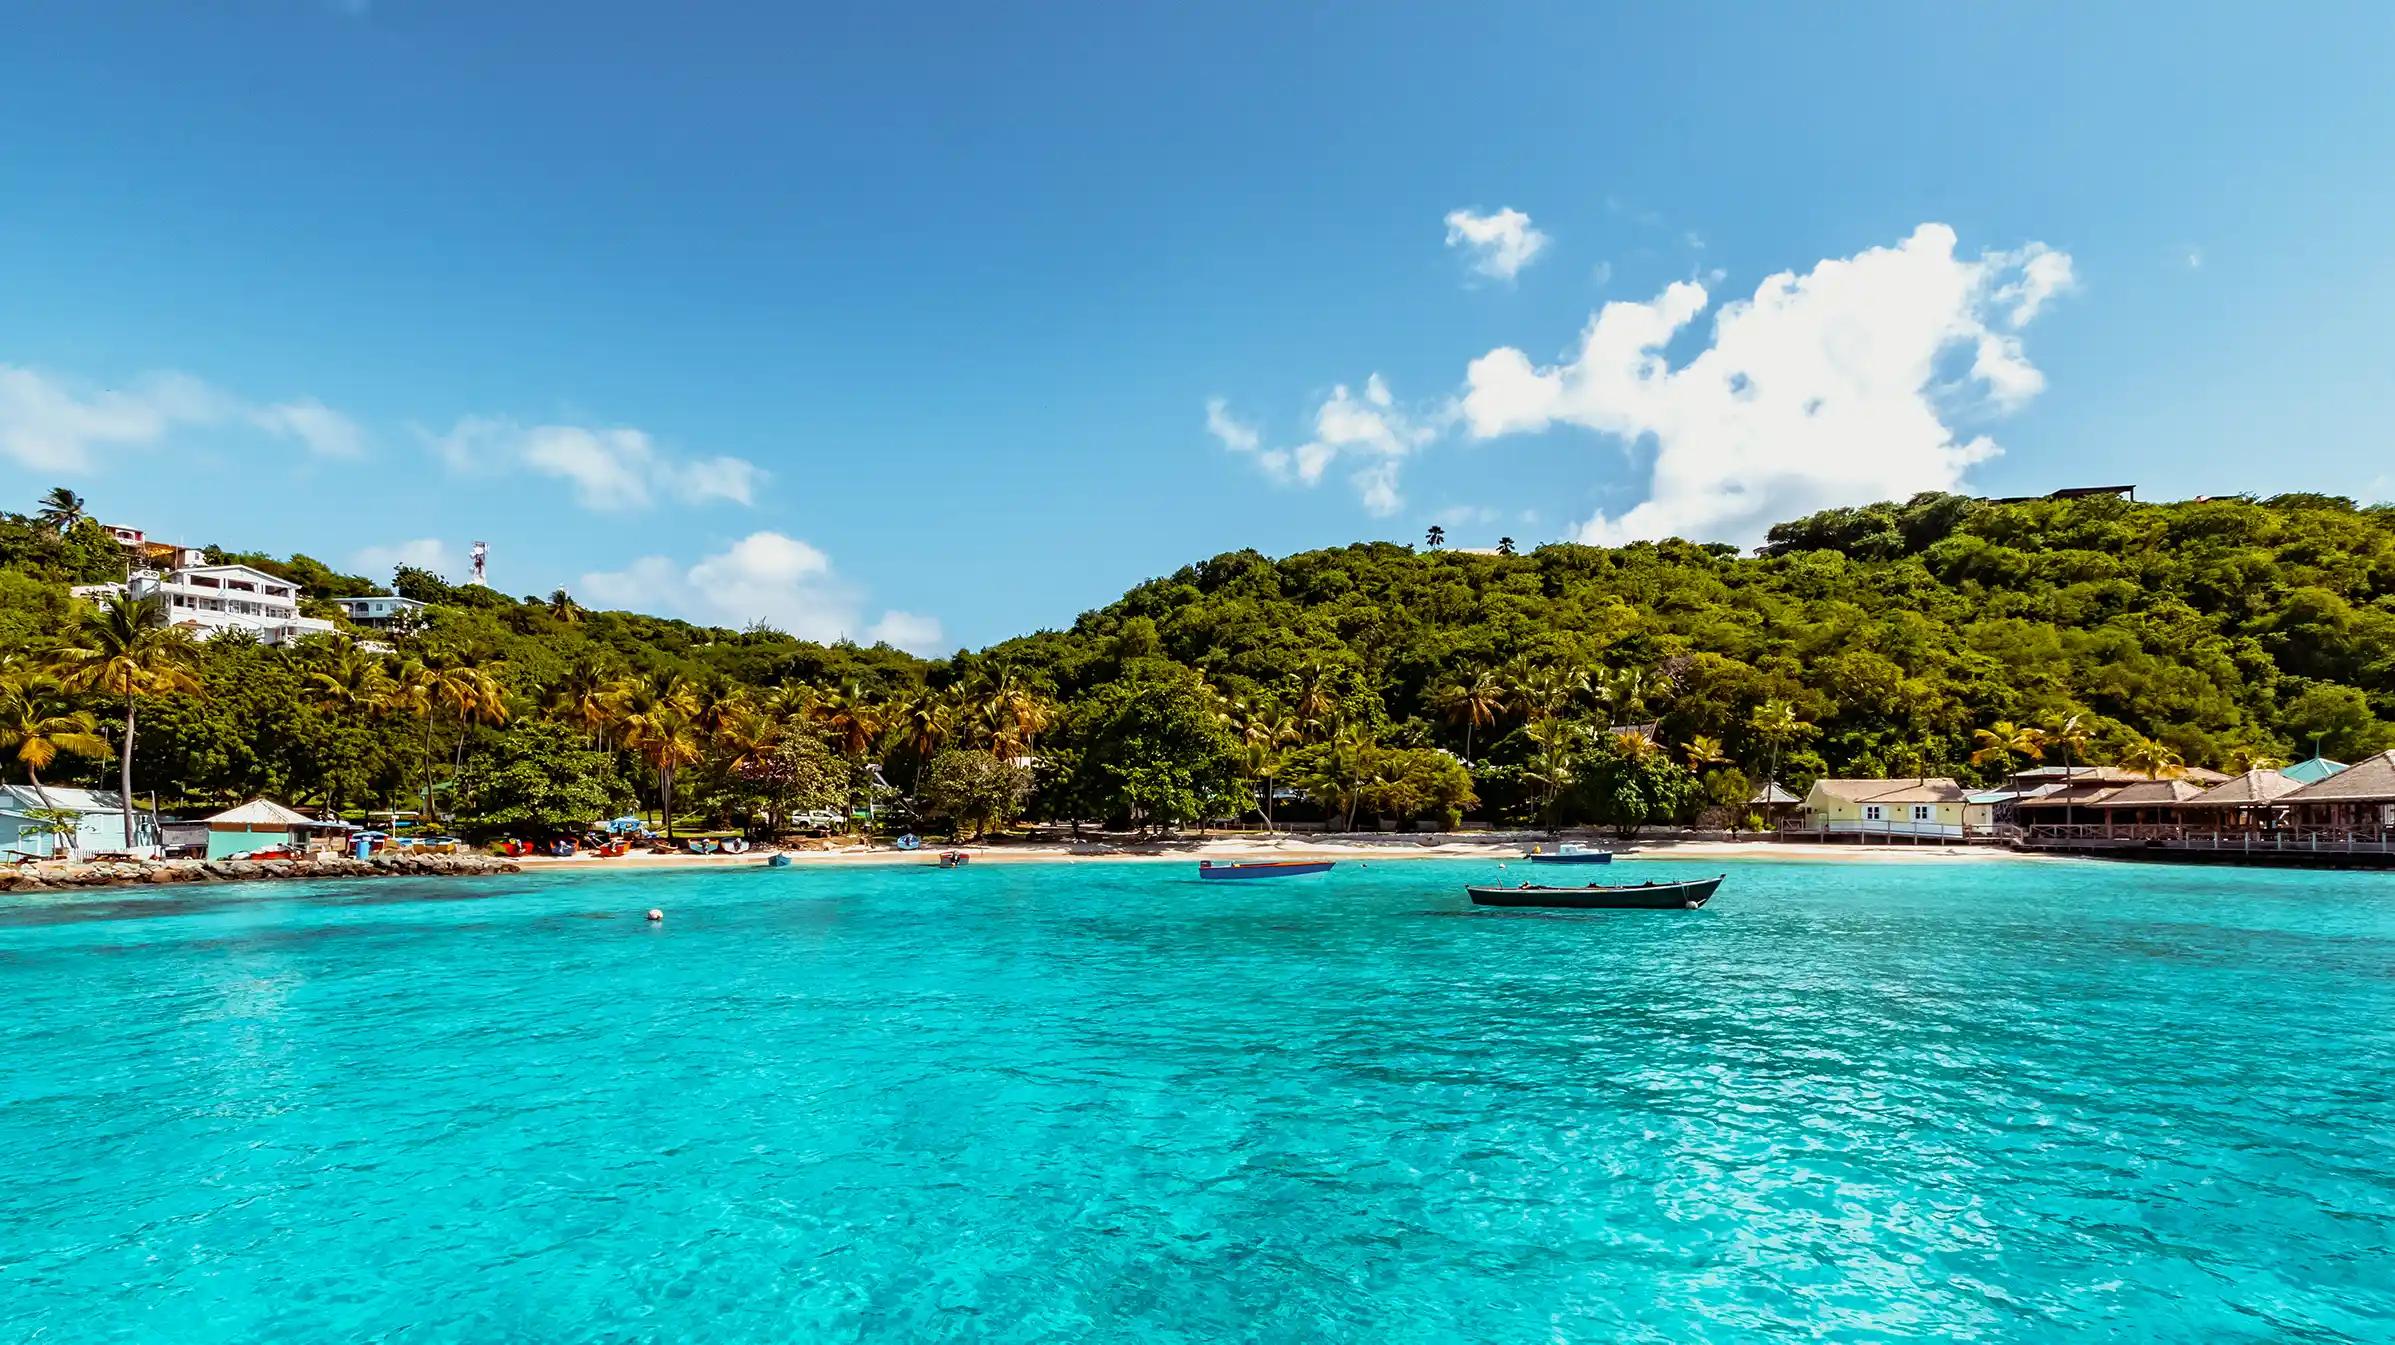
[1985, 1101]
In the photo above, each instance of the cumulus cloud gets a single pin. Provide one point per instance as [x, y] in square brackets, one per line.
[1369, 429]
[1235, 434]
[610, 470]
[1830, 388]
[48, 423]
[765, 577]
[1500, 244]
[422, 553]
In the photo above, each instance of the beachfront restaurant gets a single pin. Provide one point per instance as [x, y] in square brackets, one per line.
[2357, 803]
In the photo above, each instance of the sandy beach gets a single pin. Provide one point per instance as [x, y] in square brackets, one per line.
[1391, 849]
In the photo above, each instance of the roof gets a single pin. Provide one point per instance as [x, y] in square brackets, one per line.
[2151, 794]
[17, 798]
[261, 813]
[2312, 772]
[2370, 780]
[1932, 789]
[2246, 790]
[1771, 793]
[2115, 775]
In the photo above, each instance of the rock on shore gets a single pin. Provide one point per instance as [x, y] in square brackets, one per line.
[54, 877]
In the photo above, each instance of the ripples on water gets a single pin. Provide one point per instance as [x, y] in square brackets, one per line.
[1980, 1101]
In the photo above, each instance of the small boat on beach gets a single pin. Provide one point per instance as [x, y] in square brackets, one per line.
[778, 861]
[1570, 852]
[1264, 868]
[1648, 896]
[954, 859]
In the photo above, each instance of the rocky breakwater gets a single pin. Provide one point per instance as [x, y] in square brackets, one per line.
[60, 877]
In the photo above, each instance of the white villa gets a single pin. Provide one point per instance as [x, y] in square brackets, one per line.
[380, 611]
[206, 599]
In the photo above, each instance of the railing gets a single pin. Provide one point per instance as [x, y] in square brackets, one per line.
[1944, 831]
[2277, 840]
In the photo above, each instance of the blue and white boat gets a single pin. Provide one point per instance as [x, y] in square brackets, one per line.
[1570, 852]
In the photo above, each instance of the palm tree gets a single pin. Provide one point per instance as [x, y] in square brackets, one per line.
[584, 698]
[1776, 724]
[61, 510]
[126, 649]
[1703, 751]
[1263, 732]
[655, 713]
[1312, 698]
[1437, 537]
[2155, 761]
[353, 681]
[563, 607]
[1551, 766]
[1505, 546]
[2244, 759]
[2004, 741]
[35, 729]
[2069, 737]
[1011, 712]
[1542, 693]
[922, 722]
[1476, 698]
[851, 717]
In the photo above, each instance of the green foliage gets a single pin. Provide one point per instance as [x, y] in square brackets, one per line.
[1152, 749]
[1627, 789]
[1895, 637]
[974, 789]
[538, 776]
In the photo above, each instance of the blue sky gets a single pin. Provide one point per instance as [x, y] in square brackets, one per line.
[908, 322]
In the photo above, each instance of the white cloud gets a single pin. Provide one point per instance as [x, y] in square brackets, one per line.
[2038, 274]
[423, 553]
[906, 630]
[1500, 244]
[764, 577]
[2193, 256]
[611, 470]
[325, 431]
[1235, 434]
[1819, 390]
[1369, 428]
[51, 424]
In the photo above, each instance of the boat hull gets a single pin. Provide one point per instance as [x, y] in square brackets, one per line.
[1599, 857]
[1644, 897]
[1277, 868]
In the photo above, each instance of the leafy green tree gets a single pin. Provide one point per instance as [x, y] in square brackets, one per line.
[1152, 750]
[974, 789]
[1625, 788]
[538, 776]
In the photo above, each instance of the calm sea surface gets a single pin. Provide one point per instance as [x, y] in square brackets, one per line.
[1980, 1101]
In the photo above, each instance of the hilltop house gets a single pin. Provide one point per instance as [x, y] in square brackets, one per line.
[381, 611]
[208, 599]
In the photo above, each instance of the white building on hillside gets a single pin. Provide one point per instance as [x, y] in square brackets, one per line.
[206, 599]
[381, 611]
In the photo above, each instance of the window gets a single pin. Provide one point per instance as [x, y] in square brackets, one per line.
[1871, 812]
[1922, 812]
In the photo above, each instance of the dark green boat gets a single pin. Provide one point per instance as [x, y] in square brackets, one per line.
[1596, 897]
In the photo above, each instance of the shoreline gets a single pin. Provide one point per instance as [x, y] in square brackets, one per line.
[1184, 852]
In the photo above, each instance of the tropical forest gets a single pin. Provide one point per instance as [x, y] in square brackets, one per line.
[1369, 685]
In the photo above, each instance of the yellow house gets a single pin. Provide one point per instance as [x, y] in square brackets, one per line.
[1931, 806]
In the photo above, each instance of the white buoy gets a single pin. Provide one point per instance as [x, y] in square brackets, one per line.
[655, 915]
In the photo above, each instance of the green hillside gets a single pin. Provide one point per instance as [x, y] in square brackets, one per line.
[1945, 635]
